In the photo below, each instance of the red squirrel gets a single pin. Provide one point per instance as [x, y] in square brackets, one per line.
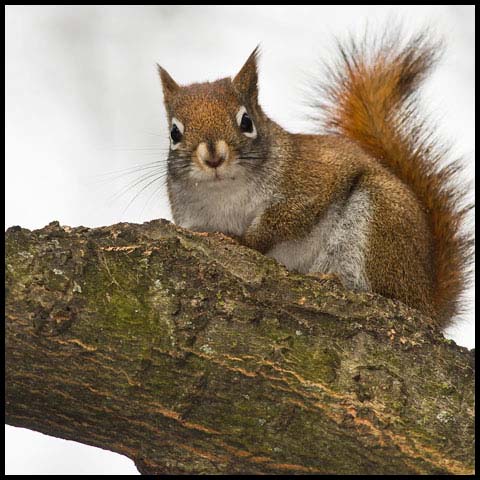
[372, 201]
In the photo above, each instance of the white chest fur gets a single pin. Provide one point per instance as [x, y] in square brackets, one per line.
[228, 206]
[337, 244]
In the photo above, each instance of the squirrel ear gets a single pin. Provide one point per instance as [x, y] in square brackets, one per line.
[245, 82]
[170, 87]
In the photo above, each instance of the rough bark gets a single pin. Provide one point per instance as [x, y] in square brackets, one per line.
[189, 353]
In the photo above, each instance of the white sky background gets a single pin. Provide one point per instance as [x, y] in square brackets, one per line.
[83, 99]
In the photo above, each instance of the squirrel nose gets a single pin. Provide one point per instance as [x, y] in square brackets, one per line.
[216, 161]
[213, 155]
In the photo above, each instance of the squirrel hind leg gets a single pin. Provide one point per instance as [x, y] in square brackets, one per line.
[336, 245]
[342, 238]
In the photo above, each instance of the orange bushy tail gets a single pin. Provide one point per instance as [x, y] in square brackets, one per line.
[371, 99]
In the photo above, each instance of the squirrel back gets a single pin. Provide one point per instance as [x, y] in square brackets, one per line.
[371, 99]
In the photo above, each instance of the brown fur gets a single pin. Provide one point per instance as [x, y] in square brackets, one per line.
[415, 252]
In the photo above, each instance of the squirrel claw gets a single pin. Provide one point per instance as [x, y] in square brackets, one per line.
[332, 277]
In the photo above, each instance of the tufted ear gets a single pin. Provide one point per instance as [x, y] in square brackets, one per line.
[170, 87]
[245, 82]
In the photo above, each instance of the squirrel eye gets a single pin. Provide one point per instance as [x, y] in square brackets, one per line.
[175, 134]
[246, 124]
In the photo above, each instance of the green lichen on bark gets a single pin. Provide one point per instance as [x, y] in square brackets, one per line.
[192, 354]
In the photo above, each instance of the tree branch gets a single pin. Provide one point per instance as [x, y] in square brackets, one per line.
[189, 353]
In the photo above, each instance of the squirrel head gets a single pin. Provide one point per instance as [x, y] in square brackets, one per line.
[216, 128]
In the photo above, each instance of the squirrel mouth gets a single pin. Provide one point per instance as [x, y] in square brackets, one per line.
[221, 178]
[218, 177]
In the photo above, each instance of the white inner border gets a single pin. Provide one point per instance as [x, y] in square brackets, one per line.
[179, 125]
[239, 116]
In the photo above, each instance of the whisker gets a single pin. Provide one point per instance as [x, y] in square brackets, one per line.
[151, 196]
[127, 171]
[141, 149]
[143, 178]
[138, 193]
